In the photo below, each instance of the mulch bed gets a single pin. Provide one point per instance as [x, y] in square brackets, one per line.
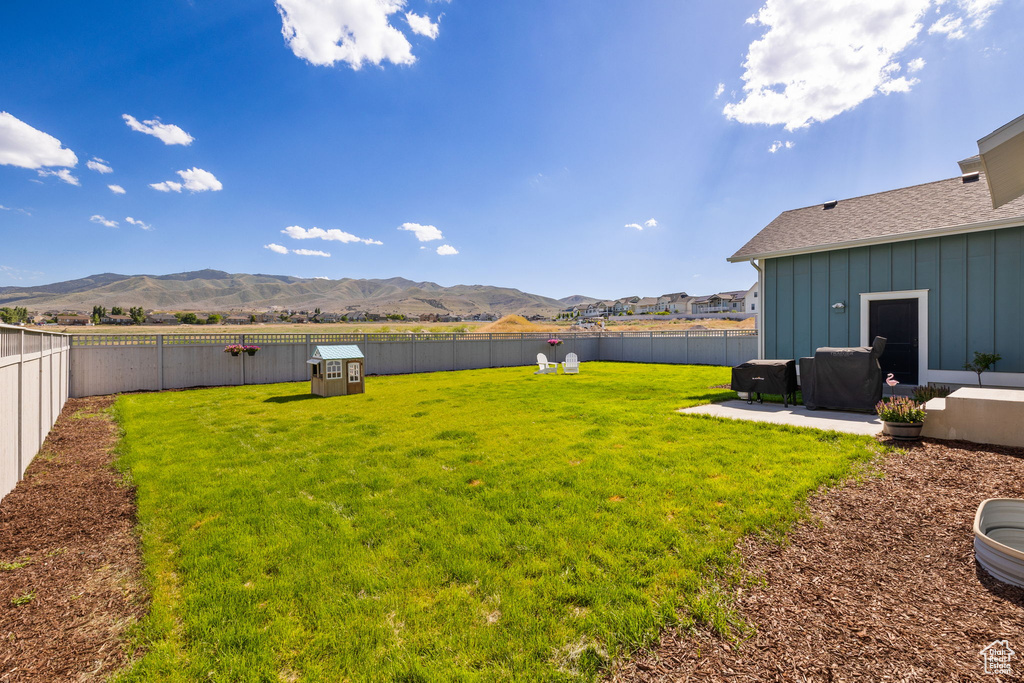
[880, 584]
[70, 524]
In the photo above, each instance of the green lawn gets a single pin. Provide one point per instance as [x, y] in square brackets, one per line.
[478, 525]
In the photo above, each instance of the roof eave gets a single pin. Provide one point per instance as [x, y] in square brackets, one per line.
[885, 239]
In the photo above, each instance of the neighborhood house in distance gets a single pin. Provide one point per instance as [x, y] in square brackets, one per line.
[216, 297]
[936, 269]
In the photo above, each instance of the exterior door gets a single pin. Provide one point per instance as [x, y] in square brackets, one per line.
[355, 377]
[896, 320]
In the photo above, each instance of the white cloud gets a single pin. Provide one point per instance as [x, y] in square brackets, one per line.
[719, 90]
[779, 144]
[422, 25]
[276, 248]
[64, 174]
[196, 180]
[103, 221]
[915, 65]
[951, 26]
[636, 226]
[424, 233]
[332, 235]
[978, 11]
[116, 189]
[138, 223]
[324, 32]
[651, 223]
[309, 252]
[819, 59]
[18, 274]
[4, 208]
[98, 165]
[447, 250]
[168, 133]
[166, 186]
[24, 146]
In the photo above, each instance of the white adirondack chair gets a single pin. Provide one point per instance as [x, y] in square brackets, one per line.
[546, 367]
[571, 364]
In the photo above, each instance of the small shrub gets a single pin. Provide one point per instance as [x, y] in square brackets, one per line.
[900, 409]
[924, 394]
[982, 362]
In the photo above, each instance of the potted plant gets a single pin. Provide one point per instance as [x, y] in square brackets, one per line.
[902, 416]
[555, 342]
[234, 349]
[251, 350]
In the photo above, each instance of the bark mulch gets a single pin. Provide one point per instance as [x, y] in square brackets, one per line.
[69, 559]
[880, 584]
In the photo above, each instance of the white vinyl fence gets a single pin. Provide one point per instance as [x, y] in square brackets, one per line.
[108, 364]
[33, 389]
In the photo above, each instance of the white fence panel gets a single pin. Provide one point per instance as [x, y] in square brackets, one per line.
[33, 390]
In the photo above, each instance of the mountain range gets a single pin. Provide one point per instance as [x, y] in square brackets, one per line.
[215, 290]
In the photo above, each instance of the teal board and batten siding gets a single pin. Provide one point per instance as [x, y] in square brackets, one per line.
[975, 286]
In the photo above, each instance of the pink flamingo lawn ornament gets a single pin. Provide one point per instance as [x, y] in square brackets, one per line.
[890, 381]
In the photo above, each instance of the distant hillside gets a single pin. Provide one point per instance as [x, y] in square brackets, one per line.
[214, 290]
[577, 300]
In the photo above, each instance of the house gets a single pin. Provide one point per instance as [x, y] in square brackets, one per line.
[648, 304]
[750, 299]
[678, 302]
[935, 268]
[356, 316]
[298, 318]
[116, 319]
[73, 319]
[329, 318]
[237, 320]
[162, 319]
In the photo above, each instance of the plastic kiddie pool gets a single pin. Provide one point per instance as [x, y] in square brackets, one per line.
[999, 539]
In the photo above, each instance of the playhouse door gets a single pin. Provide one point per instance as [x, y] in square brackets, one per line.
[355, 377]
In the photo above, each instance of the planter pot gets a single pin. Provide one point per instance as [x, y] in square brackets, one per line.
[251, 353]
[234, 353]
[904, 431]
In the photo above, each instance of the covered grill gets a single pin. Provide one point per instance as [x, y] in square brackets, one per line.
[766, 377]
[843, 378]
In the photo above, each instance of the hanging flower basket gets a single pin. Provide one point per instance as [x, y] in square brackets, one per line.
[234, 349]
[251, 350]
[555, 342]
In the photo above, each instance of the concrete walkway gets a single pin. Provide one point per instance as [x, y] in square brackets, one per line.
[796, 416]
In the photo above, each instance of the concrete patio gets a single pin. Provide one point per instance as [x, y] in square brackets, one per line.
[867, 424]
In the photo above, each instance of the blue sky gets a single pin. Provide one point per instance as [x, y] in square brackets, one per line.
[574, 147]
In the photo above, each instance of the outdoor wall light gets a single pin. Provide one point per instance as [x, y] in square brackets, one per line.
[839, 306]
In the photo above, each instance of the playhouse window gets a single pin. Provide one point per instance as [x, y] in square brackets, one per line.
[333, 369]
[353, 372]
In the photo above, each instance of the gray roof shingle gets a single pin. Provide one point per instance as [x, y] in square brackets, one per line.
[896, 213]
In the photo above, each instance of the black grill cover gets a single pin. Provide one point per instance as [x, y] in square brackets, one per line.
[765, 377]
[843, 378]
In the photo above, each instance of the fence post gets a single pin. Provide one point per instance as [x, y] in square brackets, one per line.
[725, 347]
[160, 362]
[455, 340]
[490, 350]
[42, 433]
[652, 345]
[414, 335]
[21, 401]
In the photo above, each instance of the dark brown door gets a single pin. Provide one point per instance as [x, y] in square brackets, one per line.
[896, 320]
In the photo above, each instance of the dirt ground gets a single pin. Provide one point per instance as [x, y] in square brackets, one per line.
[880, 584]
[69, 558]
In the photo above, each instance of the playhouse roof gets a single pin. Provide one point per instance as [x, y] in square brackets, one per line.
[338, 352]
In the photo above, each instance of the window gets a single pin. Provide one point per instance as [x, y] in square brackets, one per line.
[333, 369]
[753, 307]
[353, 372]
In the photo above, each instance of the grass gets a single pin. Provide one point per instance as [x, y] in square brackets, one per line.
[479, 525]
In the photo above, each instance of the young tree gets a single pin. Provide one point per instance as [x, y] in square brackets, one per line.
[187, 318]
[213, 319]
[98, 312]
[137, 314]
[982, 362]
[116, 310]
